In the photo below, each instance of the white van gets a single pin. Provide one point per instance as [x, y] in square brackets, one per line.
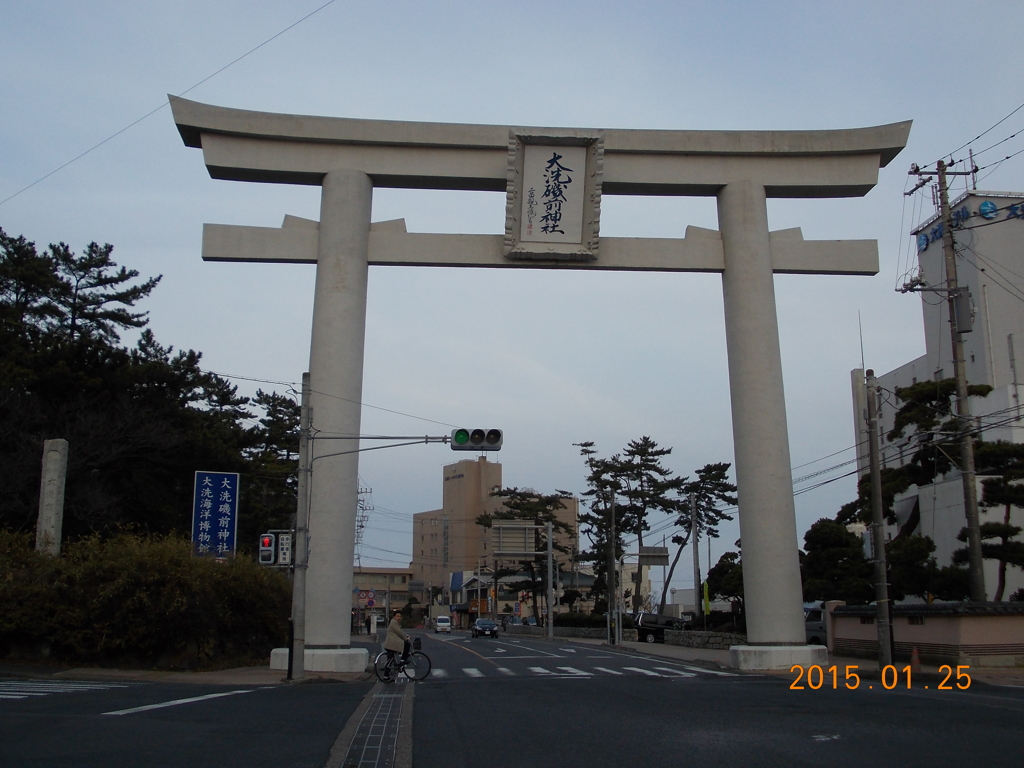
[814, 623]
[443, 624]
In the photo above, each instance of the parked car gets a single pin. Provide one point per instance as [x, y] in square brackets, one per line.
[511, 621]
[530, 621]
[443, 624]
[650, 627]
[484, 628]
[814, 623]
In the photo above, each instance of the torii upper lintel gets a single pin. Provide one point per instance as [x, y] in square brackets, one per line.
[243, 145]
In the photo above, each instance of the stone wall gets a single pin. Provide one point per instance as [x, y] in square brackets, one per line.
[695, 639]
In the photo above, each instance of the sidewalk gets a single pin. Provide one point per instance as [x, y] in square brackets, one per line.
[719, 659]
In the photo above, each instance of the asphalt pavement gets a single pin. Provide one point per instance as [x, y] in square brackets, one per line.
[566, 702]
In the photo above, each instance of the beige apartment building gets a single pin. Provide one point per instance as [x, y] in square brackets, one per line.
[449, 541]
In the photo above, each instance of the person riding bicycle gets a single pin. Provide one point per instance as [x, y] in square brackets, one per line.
[396, 641]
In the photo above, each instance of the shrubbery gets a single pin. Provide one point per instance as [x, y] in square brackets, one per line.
[133, 600]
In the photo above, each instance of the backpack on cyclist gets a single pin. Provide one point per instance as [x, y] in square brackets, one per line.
[417, 643]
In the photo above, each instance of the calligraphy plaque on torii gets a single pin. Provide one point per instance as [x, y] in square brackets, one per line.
[553, 200]
[347, 158]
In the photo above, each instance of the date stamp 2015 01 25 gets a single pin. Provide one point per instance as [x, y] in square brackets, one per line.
[816, 677]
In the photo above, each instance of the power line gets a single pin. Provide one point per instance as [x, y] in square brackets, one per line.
[987, 130]
[166, 103]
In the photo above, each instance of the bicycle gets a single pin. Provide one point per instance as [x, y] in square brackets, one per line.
[415, 667]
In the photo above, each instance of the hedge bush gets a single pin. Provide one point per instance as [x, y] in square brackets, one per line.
[133, 600]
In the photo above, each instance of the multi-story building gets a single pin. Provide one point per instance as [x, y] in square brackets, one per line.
[448, 545]
[988, 234]
[376, 590]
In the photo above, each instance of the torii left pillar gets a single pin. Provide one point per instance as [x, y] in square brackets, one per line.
[336, 388]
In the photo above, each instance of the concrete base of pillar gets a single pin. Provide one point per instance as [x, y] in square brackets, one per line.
[768, 657]
[325, 659]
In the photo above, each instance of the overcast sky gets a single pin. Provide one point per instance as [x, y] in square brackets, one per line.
[553, 358]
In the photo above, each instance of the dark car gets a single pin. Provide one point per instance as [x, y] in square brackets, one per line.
[484, 628]
[650, 627]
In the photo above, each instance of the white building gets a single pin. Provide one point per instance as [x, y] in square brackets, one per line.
[989, 242]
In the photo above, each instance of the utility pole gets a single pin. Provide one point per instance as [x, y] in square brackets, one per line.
[549, 623]
[297, 652]
[694, 530]
[882, 615]
[612, 601]
[954, 296]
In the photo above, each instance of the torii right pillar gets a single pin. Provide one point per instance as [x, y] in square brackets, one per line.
[775, 628]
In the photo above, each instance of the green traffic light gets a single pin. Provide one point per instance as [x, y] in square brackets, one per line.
[460, 436]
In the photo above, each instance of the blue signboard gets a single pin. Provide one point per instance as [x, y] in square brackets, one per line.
[215, 513]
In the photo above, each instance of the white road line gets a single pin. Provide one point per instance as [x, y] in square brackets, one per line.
[176, 702]
[570, 650]
[500, 650]
[676, 672]
[506, 658]
[438, 672]
[472, 671]
[574, 671]
[711, 671]
[505, 671]
[21, 689]
[540, 671]
[647, 672]
[608, 671]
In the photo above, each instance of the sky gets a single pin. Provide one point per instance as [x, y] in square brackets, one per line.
[552, 358]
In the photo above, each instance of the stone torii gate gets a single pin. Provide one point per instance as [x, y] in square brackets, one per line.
[554, 180]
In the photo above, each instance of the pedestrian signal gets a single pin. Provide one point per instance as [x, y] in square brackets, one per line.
[268, 552]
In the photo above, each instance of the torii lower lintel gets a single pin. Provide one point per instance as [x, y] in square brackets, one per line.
[390, 245]
[741, 169]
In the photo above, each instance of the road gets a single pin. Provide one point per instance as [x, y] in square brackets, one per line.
[64, 724]
[512, 702]
[530, 702]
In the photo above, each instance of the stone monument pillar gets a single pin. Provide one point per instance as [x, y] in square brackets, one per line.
[51, 496]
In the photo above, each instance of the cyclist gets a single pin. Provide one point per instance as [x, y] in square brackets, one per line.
[396, 640]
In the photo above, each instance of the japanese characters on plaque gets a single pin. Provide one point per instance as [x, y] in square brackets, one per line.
[553, 194]
[553, 197]
[215, 513]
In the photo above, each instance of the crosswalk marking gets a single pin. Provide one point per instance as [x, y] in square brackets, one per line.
[23, 689]
[680, 672]
[642, 671]
[574, 671]
[675, 672]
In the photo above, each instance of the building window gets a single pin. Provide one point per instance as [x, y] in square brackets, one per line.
[918, 620]
[867, 619]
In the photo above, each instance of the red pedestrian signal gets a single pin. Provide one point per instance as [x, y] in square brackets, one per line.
[268, 552]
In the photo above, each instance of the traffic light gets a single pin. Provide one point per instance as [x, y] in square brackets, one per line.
[268, 552]
[476, 439]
